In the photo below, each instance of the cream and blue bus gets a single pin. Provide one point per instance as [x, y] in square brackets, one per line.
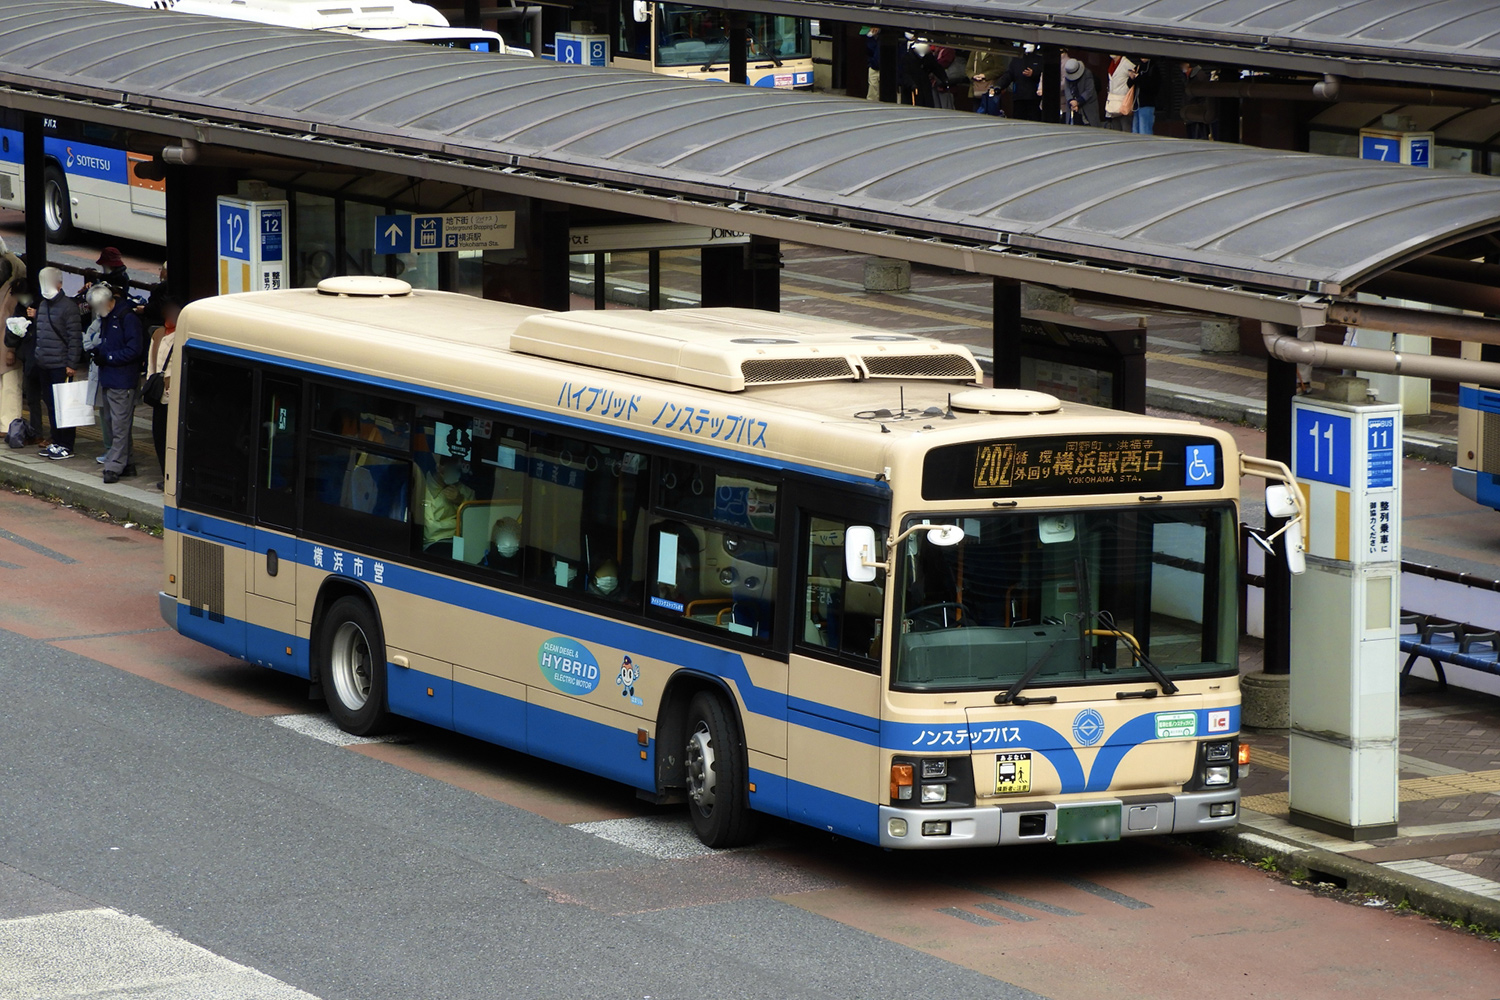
[760, 565]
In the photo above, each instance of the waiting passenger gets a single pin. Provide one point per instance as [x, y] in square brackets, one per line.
[445, 493]
[1079, 94]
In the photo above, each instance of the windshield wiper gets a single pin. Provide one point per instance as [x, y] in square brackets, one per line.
[1013, 696]
[1136, 652]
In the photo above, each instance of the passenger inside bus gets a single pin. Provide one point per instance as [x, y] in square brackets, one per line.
[504, 553]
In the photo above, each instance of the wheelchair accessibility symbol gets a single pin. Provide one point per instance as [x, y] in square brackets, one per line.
[1201, 461]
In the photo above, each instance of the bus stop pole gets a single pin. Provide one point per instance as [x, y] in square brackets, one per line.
[33, 152]
[739, 72]
[1051, 83]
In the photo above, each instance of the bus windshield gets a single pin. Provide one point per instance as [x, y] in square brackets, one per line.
[1081, 596]
[698, 36]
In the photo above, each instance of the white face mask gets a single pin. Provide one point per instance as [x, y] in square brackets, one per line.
[605, 584]
[451, 474]
[51, 293]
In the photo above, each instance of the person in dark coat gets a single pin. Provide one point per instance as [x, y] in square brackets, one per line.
[1148, 94]
[121, 354]
[1024, 77]
[57, 343]
[115, 271]
[918, 68]
[989, 103]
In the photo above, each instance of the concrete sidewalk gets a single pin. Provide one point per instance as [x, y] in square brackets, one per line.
[1447, 859]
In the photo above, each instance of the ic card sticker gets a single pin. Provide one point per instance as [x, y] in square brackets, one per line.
[1012, 773]
[1218, 722]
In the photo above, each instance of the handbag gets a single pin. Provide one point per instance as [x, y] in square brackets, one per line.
[70, 404]
[156, 385]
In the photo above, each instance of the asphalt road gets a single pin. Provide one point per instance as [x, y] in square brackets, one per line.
[175, 824]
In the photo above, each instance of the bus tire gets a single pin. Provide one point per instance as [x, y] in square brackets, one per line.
[351, 666]
[57, 210]
[717, 774]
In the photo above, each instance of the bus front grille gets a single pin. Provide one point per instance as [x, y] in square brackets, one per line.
[203, 576]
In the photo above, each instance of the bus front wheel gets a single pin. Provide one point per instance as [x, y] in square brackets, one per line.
[57, 210]
[717, 774]
[351, 664]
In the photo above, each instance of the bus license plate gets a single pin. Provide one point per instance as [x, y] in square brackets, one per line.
[1088, 824]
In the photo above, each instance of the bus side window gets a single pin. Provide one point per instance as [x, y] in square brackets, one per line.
[838, 615]
[276, 476]
[584, 518]
[359, 479]
[215, 438]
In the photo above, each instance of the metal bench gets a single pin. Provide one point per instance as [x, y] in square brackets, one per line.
[1442, 641]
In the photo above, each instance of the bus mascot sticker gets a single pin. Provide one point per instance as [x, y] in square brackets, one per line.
[626, 678]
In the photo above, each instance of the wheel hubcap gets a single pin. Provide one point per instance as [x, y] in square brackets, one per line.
[700, 769]
[350, 665]
[53, 203]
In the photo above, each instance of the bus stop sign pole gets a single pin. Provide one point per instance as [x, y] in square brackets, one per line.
[1346, 619]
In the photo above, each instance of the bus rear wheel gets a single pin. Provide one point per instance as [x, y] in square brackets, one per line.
[57, 210]
[717, 774]
[351, 666]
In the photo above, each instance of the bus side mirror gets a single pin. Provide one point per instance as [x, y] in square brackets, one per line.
[641, 11]
[1280, 503]
[859, 553]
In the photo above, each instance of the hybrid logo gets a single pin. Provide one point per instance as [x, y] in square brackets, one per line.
[1088, 727]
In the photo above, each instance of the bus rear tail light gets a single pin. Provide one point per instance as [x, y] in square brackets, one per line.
[901, 781]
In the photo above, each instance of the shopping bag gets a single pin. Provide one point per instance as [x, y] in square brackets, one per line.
[70, 404]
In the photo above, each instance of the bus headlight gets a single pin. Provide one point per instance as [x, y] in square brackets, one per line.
[1211, 776]
[934, 793]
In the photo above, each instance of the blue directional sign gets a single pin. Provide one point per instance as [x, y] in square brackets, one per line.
[1322, 447]
[1380, 452]
[570, 50]
[270, 234]
[393, 234]
[234, 232]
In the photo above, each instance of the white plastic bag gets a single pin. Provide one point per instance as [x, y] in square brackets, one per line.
[71, 406]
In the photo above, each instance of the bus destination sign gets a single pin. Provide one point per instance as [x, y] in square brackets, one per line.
[1074, 464]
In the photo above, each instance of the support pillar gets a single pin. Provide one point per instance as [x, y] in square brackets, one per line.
[746, 277]
[34, 156]
[192, 223]
[738, 44]
[1051, 83]
[1006, 334]
[1266, 693]
[892, 48]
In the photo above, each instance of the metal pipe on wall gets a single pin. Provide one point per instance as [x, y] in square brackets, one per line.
[1311, 352]
[1444, 326]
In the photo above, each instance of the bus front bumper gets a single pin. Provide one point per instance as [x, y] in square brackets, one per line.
[167, 604]
[1036, 822]
[1466, 483]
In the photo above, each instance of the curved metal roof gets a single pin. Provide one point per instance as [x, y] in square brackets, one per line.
[1219, 212]
[1447, 42]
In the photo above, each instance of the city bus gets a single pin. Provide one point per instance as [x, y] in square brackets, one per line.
[1477, 463]
[676, 39]
[759, 565]
[89, 177]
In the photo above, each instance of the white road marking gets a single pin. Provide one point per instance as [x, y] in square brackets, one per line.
[321, 727]
[669, 838]
[106, 953]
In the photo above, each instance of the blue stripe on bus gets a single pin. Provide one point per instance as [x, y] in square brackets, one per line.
[833, 811]
[10, 145]
[1485, 400]
[838, 715]
[621, 430]
[1486, 490]
[1142, 729]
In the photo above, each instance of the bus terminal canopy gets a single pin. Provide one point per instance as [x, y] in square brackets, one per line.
[1450, 43]
[1212, 226]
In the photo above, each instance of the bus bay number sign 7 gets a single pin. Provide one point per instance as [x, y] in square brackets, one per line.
[1323, 447]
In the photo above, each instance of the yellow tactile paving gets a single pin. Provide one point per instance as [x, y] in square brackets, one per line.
[872, 302]
[1192, 362]
[1447, 786]
[1269, 758]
